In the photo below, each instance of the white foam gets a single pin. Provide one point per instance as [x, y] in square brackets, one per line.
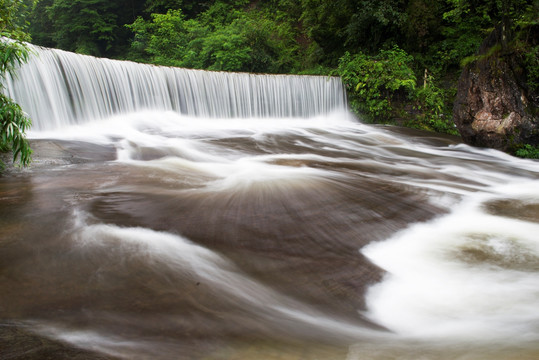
[469, 275]
[161, 250]
[59, 88]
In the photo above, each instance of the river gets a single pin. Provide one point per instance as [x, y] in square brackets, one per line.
[165, 234]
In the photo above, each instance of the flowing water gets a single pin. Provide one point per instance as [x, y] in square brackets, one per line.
[180, 214]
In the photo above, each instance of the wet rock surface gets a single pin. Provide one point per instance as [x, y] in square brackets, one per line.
[160, 256]
[494, 107]
[19, 343]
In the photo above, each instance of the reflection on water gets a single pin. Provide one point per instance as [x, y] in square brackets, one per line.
[156, 236]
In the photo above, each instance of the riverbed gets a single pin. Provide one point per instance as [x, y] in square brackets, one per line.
[153, 235]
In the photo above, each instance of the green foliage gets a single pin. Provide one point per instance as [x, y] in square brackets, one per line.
[527, 43]
[307, 37]
[163, 38]
[374, 81]
[272, 44]
[422, 26]
[84, 26]
[226, 49]
[10, 21]
[375, 23]
[434, 114]
[13, 125]
[222, 38]
[13, 121]
[528, 151]
[381, 86]
[94, 27]
[222, 13]
[162, 6]
[531, 62]
[325, 23]
[41, 26]
[318, 70]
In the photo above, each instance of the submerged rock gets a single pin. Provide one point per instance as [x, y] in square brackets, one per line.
[494, 106]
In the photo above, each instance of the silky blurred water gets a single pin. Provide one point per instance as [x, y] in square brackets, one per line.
[183, 214]
[155, 235]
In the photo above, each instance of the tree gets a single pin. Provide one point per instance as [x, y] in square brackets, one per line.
[162, 6]
[373, 82]
[162, 40]
[13, 52]
[223, 38]
[84, 26]
[325, 23]
[41, 27]
[422, 28]
[375, 23]
[93, 27]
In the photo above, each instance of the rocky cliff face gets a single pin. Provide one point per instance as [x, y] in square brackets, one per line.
[494, 107]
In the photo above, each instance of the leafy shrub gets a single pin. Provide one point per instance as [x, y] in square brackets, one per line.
[432, 103]
[13, 121]
[162, 39]
[528, 151]
[373, 81]
[13, 125]
[380, 88]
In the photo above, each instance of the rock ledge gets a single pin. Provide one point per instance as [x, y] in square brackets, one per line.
[494, 108]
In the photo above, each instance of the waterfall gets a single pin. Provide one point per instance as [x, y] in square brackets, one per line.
[58, 88]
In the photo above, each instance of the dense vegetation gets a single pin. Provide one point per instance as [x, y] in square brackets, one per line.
[13, 121]
[399, 59]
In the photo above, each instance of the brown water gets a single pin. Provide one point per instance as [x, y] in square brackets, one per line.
[226, 241]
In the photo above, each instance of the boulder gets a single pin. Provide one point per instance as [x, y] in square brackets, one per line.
[494, 107]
